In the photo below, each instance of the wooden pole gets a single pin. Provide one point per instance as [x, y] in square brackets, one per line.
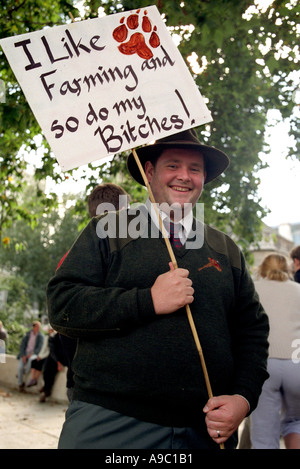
[174, 262]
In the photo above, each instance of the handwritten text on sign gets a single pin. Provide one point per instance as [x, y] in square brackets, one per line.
[105, 85]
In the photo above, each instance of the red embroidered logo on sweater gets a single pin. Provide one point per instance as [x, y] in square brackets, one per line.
[212, 263]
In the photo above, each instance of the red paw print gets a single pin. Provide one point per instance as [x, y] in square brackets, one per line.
[136, 43]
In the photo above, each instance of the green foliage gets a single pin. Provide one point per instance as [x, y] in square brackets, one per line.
[15, 332]
[17, 292]
[246, 62]
[29, 260]
[13, 313]
[33, 253]
[18, 126]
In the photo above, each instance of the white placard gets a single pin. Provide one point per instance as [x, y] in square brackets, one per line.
[105, 85]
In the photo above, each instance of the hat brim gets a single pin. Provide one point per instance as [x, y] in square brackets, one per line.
[216, 161]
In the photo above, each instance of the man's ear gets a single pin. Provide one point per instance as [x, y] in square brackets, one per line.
[149, 169]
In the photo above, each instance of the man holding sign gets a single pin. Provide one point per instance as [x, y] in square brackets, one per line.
[103, 86]
[138, 380]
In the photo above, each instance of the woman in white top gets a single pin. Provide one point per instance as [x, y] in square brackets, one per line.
[278, 410]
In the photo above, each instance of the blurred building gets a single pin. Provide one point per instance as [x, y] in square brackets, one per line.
[280, 239]
[295, 229]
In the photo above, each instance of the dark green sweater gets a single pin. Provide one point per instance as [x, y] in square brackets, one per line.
[139, 364]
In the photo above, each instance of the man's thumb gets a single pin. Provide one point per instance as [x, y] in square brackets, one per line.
[212, 403]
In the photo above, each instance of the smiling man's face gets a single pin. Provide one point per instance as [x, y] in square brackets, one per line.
[177, 177]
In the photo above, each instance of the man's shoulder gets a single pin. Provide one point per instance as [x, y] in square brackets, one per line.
[123, 226]
[124, 216]
[214, 235]
[223, 244]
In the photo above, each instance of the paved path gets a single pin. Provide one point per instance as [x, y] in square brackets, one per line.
[25, 423]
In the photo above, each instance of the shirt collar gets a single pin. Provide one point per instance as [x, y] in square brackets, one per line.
[186, 221]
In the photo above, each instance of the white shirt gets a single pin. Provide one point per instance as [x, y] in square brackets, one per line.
[186, 222]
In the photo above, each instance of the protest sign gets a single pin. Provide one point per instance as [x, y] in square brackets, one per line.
[105, 85]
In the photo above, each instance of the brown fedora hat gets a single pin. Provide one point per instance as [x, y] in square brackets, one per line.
[215, 160]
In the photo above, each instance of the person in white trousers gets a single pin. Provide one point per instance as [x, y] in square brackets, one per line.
[278, 411]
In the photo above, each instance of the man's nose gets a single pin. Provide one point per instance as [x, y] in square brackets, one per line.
[184, 174]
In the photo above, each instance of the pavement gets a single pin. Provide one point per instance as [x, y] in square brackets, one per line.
[26, 423]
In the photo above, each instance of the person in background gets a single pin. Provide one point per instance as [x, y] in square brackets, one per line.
[38, 363]
[295, 255]
[3, 339]
[54, 363]
[278, 410]
[69, 346]
[30, 347]
[3, 333]
[104, 197]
